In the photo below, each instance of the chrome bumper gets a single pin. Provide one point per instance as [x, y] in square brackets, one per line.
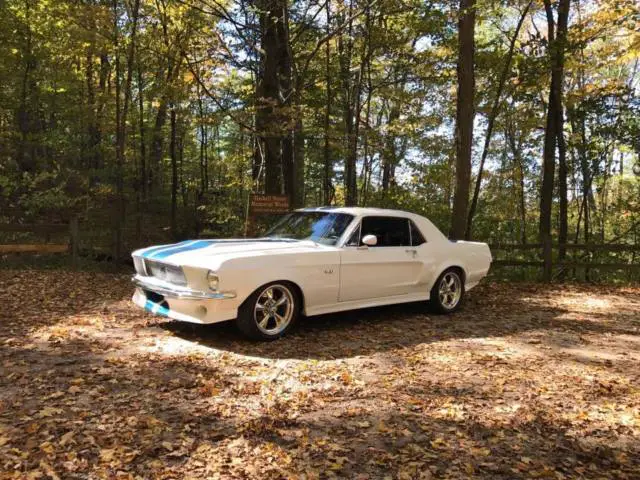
[174, 291]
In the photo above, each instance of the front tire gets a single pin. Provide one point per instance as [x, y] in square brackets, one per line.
[270, 312]
[448, 291]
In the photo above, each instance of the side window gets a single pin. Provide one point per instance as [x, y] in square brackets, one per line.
[390, 231]
[354, 241]
[417, 238]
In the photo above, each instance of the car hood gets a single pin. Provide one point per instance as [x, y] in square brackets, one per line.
[200, 253]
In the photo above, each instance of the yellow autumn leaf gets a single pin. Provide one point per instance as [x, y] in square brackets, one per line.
[107, 454]
[47, 447]
[48, 412]
[66, 438]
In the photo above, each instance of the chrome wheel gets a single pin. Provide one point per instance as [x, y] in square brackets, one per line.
[274, 309]
[450, 290]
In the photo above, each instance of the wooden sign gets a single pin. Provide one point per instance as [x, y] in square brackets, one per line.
[274, 204]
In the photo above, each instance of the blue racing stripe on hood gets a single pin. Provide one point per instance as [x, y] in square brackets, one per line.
[150, 251]
[180, 248]
[164, 251]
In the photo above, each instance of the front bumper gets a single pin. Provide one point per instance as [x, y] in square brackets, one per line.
[175, 291]
[183, 303]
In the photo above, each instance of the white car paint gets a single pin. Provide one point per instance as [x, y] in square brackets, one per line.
[331, 278]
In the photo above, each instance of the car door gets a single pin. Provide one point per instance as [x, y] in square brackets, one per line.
[390, 268]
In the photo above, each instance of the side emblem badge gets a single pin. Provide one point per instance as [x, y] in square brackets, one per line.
[328, 271]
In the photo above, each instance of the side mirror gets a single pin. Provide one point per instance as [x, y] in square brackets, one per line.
[370, 240]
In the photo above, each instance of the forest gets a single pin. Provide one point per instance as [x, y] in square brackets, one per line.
[132, 123]
[510, 122]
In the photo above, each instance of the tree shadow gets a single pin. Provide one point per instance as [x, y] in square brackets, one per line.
[142, 411]
[154, 414]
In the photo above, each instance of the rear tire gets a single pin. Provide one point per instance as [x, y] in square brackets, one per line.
[447, 293]
[270, 312]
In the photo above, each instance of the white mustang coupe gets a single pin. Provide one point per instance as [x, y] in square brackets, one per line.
[313, 261]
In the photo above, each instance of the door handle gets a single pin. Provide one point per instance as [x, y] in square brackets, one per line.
[412, 251]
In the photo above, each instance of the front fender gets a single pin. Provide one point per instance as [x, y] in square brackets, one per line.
[317, 276]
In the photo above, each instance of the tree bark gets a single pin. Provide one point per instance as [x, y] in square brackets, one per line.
[561, 38]
[174, 175]
[270, 136]
[554, 124]
[289, 115]
[389, 157]
[464, 117]
[345, 47]
[327, 186]
[204, 149]
[118, 217]
[562, 188]
[27, 111]
[142, 183]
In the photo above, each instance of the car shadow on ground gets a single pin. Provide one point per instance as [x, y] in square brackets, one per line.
[487, 312]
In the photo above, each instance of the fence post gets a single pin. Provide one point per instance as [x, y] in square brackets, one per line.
[546, 256]
[73, 240]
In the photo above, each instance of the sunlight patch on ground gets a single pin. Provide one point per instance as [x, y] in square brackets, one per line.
[575, 301]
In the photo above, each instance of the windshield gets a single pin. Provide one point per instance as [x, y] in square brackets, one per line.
[321, 227]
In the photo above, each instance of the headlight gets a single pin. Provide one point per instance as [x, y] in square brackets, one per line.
[212, 280]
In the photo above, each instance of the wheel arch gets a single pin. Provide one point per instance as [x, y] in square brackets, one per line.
[459, 269]
[295, 285]
[450, 266]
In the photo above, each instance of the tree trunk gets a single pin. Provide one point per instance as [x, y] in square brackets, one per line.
[561, 39]
[93, 132]
[204, 149]
[495, 109]
[290, 115]
[142, 183]
[103, 81]
[298, 163]
[464, 117]
[562, 190]
[27, 111]
[174, 175]
[345, 47]
[327, 186]
[157, 145]
[118, 217]
[553, 124]
[270, 128]
[389, 157]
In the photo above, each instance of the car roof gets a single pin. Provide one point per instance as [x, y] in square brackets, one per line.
[359, 211]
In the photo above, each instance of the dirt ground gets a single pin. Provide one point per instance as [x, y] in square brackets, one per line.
[526, 381]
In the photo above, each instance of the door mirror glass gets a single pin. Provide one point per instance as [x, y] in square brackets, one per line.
[370, 240]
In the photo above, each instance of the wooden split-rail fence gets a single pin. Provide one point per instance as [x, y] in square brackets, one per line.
[44, 231]
[573, 260]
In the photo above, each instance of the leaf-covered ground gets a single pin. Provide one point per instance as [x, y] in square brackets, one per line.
[527, 381]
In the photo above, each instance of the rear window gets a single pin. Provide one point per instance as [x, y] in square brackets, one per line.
[417, 238]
